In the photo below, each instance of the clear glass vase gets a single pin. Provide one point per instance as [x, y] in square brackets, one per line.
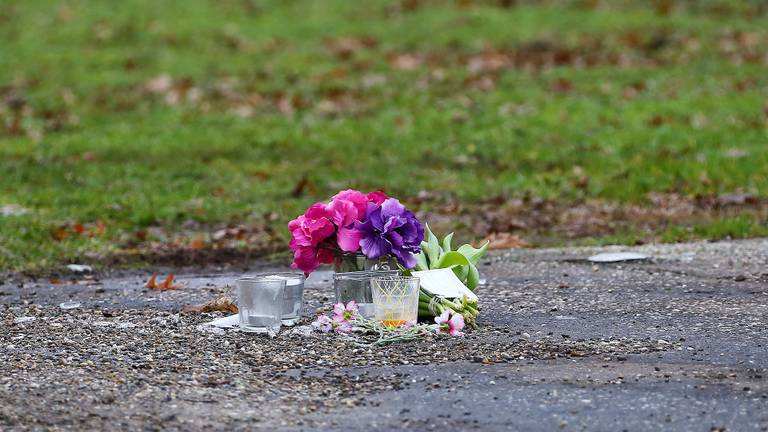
[354, 262]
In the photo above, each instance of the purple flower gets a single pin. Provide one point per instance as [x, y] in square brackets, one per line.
[391, 229]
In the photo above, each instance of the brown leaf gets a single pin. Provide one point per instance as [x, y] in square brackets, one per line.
[561, 85]
[656, 120]
[60, 233]
[344, 48]
[152, 282]
[168, 284]
[221, 304]
[302, 184]
[197, 244]
[663, 7]
[79, 228]
[505, 241]
[404, 62]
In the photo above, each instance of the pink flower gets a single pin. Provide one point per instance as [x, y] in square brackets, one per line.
[376, 197]
[351, 206]
[451, 325]
[323, 323]
[345, 313]
[341, 326]
[346, 208]
[308, 231]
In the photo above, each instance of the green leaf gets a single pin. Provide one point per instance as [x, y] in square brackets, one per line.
[433, 247]
[421, 261]
[473, 277]
[447, 242]
[473, 254]
[451, 259]
[461, 273]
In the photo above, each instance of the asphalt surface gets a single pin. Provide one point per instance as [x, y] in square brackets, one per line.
[676, 342]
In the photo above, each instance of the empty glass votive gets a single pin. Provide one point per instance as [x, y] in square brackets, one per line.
[357, 286]
[260, 301]
[395, 299]
[293, 297]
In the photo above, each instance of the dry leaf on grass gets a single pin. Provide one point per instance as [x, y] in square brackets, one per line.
[221, 304]
[505, 240]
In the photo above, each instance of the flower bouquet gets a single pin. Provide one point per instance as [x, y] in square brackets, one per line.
[377, 226]
[352, 222]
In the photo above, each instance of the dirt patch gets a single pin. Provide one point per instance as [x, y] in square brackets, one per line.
[536, 220]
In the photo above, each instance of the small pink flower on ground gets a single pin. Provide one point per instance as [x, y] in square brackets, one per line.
[450, 323]
[345, 313]
[409, 324]
[323, 323]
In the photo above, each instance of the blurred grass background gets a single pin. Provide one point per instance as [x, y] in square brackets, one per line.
[138, 125]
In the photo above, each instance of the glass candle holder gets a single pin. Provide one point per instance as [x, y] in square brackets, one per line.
[260, 304]
[356, 286]
[293, 296]
[395, 299]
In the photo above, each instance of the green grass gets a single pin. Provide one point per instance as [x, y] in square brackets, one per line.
[128, 159]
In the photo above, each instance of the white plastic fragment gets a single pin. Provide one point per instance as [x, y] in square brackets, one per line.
[610, 257]
[80, 268]
[69, 305]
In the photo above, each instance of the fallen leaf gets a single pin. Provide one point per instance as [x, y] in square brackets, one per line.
[79, 228]
[221, 304]
[561, 85]
[167, 285]
[197, 244]
[404, 62]
[60, 233]
[298, 190]
[505, 240]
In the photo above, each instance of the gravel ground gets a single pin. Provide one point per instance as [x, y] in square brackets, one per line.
[677, 342]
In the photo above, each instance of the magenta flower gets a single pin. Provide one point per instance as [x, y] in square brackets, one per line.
[308, 232]
[376, 197]
[345, 313]
[391, 229]
[450, 323]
